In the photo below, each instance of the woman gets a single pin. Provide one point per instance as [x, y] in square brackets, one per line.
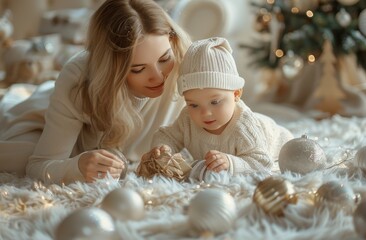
[107, 101]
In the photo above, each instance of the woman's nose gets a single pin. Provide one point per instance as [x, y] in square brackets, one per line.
[157, 74]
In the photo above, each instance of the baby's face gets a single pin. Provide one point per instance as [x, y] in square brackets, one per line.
[210, 108]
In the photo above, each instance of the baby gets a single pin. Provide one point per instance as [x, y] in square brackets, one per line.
[216, 126]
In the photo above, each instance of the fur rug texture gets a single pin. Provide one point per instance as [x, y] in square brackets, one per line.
[31, 210]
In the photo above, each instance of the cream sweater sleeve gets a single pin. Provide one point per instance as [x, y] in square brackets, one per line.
[172, 135]
[251, 150]
[51, 160]
[263, 139]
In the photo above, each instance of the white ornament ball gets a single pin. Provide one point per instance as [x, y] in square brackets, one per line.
[359, 219]
[301, 155]
[360, 158]
[88, 223]
[212, 210]
[336, 196]
[124, 204]
[344, 18]
[200, 173]
[362, 22]
[291, 65]
[348, 2]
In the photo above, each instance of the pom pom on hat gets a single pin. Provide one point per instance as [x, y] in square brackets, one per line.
[209, 63]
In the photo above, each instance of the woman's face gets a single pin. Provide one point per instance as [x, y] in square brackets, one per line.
[152, 62]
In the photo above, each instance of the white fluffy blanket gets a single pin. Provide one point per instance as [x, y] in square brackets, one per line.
[32, 210]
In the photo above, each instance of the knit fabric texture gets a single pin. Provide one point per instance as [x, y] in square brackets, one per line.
[252, 141]
[209, 63]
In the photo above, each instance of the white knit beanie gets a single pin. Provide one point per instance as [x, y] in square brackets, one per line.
[209, 63]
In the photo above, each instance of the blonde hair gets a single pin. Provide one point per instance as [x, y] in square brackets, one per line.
[114, 31]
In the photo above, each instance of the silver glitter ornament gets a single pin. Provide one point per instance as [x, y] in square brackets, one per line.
[360, 159]
[212, 210]
[359, 219]
[124, 204]
[273, 194]
[88, 223]
[336, 196]
[301, 155]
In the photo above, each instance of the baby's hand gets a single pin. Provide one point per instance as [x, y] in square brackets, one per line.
[216, 161]
[156, 152]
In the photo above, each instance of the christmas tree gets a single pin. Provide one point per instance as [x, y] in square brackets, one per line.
[302, 26]
[303, 36]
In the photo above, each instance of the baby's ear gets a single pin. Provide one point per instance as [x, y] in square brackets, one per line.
[238, 93]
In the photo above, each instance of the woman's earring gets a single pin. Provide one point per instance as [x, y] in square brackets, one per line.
[237, 99]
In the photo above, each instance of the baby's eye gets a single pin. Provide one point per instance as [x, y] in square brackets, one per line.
[193, 105]
[215, 102]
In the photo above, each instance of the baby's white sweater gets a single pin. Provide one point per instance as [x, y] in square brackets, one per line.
[252, 141]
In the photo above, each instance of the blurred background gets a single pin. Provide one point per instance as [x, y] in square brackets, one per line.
[306, 55]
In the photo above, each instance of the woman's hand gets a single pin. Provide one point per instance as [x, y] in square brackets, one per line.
[96, 163]
[156, 152]
[216, 161]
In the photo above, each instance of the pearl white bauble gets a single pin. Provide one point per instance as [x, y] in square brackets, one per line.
[301, 155]
[87, 223]
[212, 210]
[336, 196]
[344, 18]
[273, 194]
[124, 204]
[200, 173]
[359, 219]
[291, 65]
[360, 158]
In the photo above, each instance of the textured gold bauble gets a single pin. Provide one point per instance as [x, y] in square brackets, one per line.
[336, 196]
[359, 219]
[301, 155]
[273, 194]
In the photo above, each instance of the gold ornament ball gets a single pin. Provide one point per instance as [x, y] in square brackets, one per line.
[360, 158]
[359, 219]
[273, 194]
[88, 223]
[301, 155]
[336, 196]
[124, 204]
[212, 210]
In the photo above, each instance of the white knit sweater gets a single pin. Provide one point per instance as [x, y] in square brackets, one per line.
[66, 132]
[252, 141]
